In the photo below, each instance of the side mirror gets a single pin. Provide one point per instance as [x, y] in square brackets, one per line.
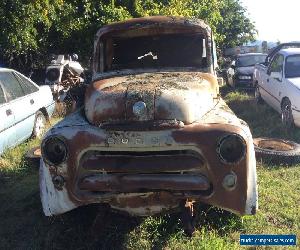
[276, 75]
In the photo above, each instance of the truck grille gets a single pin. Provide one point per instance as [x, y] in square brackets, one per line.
[173, 161]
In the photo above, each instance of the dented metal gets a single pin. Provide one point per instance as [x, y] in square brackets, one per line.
[148, 139]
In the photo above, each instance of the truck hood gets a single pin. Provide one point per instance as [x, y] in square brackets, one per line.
[181, 96]
[295, 81]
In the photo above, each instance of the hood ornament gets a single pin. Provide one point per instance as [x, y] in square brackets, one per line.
[139, 108]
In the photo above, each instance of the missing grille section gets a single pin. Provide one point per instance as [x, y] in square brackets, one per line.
[172, 161]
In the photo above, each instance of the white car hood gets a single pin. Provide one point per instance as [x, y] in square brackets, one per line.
[295, 81]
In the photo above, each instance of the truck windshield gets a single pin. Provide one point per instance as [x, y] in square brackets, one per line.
[292, 66]
[171, 50]
[251, 60]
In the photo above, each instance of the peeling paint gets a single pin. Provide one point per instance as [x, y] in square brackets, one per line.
[151, 161]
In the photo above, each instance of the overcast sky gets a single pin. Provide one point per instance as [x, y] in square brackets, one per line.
[275, 19]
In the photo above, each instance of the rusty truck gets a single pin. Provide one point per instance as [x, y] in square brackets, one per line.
[154, 135]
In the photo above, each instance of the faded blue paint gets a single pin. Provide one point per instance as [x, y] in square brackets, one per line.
[18, 126]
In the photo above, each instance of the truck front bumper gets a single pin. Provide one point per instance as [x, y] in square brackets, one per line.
[144, 173]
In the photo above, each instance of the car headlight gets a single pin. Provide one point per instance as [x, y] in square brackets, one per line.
[245, 77]
[54, 150]
[231, 148]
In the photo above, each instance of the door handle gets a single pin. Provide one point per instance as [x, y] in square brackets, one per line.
[31, 101]
[8, 112]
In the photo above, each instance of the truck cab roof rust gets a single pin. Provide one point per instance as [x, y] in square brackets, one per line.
[154, 131]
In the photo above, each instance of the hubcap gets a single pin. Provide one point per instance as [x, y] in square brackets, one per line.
[39, 126]
[286, 116]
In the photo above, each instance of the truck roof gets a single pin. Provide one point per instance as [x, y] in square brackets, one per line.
[155, 21]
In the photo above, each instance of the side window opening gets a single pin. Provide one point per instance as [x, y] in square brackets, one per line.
[2, 96]
[26, 85]
[276, 64]
[11, 85]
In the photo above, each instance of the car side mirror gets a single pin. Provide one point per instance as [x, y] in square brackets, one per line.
[276, 75]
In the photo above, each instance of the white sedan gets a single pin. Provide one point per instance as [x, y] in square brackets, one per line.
[278, 84]
[24, 108]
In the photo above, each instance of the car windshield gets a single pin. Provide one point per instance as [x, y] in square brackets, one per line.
[292, 66]
[172, 50]
[251, 60]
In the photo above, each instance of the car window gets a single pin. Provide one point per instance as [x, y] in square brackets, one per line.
[11, 85]
[250, 60]
[26, 85]
[292, 66]
[2, 97]
[277, 64]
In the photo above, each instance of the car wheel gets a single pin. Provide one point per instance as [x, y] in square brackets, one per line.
[257, 96]
[272, 150]
[39, 125]
[286, 114]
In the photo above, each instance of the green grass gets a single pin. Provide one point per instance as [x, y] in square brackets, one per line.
[23, 225]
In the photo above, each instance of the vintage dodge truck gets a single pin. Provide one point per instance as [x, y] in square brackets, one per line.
[154, 133]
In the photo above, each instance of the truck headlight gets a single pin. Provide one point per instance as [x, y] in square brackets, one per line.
[231, 148]
[54, 150]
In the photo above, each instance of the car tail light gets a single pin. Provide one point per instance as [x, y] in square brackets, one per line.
[231, 148]
[54, 150]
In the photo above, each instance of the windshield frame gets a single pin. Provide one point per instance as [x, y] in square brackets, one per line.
[151, 26]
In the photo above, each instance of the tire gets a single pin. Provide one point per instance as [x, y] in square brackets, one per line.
[33, 156]
[272, 150]
[257, 96]
[39, 125]
[286, 114]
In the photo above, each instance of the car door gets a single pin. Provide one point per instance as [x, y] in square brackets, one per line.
[20, 105]
[7, 129]
[274, 82]
[31, 100]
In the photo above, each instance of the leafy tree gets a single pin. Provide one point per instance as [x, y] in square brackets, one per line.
[31, 29]
[235, 28]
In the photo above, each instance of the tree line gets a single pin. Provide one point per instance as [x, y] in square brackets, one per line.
[33, 29]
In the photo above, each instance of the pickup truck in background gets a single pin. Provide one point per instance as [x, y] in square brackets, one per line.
[277, 82]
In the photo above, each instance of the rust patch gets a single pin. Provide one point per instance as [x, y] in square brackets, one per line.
[167, 96]
[162, 199]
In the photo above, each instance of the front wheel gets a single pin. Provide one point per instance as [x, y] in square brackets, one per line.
[286, 114]
[39, 125]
